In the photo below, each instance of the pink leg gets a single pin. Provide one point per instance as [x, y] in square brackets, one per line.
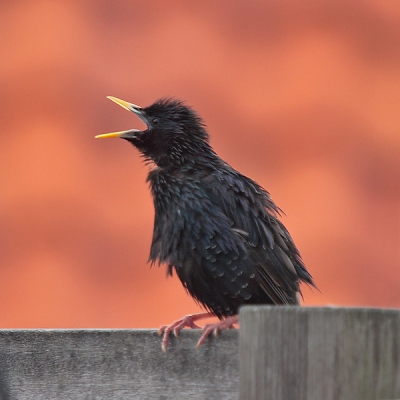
[226, 323]
[177, 326]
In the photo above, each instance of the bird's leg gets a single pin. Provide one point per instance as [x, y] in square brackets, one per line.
[178, 325]
[226, 323]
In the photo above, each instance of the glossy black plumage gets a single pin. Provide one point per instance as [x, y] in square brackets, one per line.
[218, 229]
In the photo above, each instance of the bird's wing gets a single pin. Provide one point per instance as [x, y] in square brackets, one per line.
[254, 218]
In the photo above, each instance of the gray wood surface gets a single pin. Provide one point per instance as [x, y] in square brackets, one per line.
[116, 364]
[319, 353]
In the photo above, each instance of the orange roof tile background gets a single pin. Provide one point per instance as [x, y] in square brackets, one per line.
[304, 97]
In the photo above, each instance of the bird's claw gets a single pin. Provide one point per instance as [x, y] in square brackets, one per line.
[186, 322]
[227, 323]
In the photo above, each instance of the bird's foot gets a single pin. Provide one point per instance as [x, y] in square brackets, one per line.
[226, 323]
[187, 321]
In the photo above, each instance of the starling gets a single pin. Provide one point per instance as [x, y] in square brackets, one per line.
[216, 228]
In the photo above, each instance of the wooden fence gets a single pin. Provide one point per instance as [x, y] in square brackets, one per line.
[284, 353]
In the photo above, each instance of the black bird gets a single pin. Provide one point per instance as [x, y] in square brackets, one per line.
[218, 229]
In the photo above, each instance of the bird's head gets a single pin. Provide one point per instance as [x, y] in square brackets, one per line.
[175, 134]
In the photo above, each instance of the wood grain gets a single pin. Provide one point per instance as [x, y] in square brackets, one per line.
[319, 353]
[116, 364]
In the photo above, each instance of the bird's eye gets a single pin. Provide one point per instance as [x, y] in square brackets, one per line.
[155, 121]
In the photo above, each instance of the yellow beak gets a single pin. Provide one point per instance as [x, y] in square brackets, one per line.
[124, 104]
[128, 106]
[110, 135]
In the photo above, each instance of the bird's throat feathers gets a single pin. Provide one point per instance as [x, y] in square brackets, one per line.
[176, 135]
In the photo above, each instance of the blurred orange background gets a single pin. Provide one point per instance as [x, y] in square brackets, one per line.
[303, 97]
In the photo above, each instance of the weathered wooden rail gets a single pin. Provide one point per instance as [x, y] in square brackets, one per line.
[284, 353]
[115, 364]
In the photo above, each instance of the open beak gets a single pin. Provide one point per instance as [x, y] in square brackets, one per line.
[132, 133]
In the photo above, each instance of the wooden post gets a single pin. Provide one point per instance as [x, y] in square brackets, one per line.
[304, 353]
